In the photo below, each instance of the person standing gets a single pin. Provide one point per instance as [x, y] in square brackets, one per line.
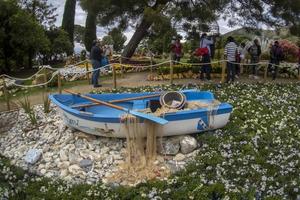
[205, 43]
[240, 59]
[255, 52]
[96, 56]
[230, 53]
[276, 55]
[176, 50]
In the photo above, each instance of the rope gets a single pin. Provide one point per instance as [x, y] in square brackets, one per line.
[59, 70]
[124, 65]
[37, 85]
[25, 79]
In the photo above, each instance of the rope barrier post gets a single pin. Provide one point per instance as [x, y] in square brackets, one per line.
[59, 82]
[151, 62]
[242, 67]
[45, 79]
[121, 66]
[223, 72]
[171, 72]
[6, 94]
[114, 76]
[266, 72]
[87, 73]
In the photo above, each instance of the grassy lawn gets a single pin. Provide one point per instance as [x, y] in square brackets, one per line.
[256, 155]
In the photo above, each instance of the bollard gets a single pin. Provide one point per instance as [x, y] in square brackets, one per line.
[59, 82]
[171, 72]
[223, 72]
[6, 94]
[87, 73]
[114, 76]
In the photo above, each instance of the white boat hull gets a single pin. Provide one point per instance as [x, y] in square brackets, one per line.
[173, 128]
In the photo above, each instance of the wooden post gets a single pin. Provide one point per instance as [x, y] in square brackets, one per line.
[114, 76]
[121, 67]
[6, 94]
[87, 73]
[266, 72]
[223, 72]
[45, 79]
[151, 63]
[171, 72]
[59, 82]
[242, 67]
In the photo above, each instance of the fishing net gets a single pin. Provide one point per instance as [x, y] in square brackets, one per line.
[141, 153]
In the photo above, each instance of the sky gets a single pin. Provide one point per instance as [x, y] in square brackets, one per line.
[101, 31]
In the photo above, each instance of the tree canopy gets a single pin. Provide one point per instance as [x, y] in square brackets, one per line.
[68, 18]
[186, 14]
[19, 32]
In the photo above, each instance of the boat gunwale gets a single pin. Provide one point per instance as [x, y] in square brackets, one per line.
[175, 116]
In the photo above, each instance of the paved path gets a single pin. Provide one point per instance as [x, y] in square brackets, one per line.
[132, 80]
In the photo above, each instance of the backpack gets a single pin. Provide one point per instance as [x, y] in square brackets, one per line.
[202, 51]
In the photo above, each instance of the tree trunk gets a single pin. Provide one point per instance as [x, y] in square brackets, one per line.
[90, 29]
[30, 57]
[140, 32]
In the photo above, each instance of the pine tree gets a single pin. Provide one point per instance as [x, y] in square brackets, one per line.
[68, 18]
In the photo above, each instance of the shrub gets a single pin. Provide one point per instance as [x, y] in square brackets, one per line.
[290, 50]
[25, 104]
[46, 103]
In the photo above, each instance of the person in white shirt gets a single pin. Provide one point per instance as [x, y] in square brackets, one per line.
[230, 52]
[206, 68]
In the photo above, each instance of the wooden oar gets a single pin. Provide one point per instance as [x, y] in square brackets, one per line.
[117, 101]
[135, 113]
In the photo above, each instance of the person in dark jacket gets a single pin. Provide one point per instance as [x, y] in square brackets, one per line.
[255, 52]
[96, 56]
[276, 55]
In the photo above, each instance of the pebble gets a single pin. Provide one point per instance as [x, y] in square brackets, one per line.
[188, 144]
[72, 155]
[179, 157]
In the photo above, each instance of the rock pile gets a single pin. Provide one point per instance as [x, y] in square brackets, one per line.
[53, 150]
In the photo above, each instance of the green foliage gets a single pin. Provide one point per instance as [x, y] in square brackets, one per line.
[118, 39]
[28, 109]
[79, 33]
[59, 44]
[41, 10]
[160, 36]
[185, 68]
[19, 33]
[107, 40]
[68, 19]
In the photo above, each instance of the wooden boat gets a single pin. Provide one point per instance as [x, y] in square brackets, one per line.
[79, 113]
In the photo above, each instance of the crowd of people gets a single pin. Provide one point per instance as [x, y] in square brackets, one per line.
[235, 55]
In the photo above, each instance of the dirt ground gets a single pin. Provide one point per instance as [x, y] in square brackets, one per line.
[139, 79]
